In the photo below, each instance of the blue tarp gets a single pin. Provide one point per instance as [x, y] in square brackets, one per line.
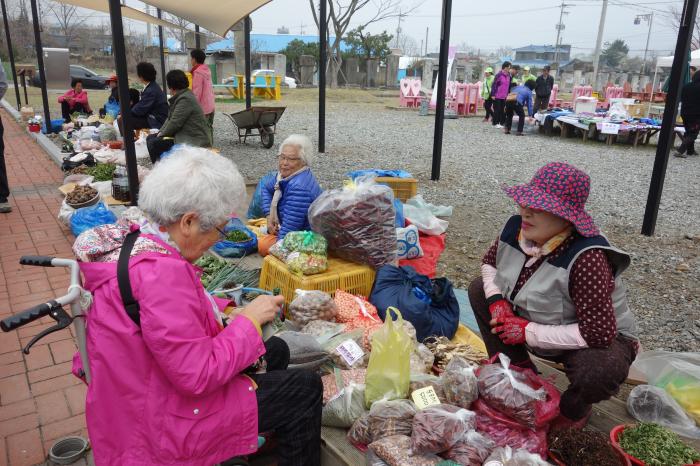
[466, 314]
[379, 172]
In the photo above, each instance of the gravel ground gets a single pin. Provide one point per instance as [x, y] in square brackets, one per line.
[663, 281]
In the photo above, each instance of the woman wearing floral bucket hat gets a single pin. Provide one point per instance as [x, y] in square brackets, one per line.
[551, 285]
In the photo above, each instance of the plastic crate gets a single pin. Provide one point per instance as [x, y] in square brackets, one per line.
[404, 188]
[341, 275]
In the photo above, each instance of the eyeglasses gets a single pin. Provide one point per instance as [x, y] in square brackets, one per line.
[222, 234]
[288, 159]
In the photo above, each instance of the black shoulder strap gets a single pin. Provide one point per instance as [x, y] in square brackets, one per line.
[130, 304]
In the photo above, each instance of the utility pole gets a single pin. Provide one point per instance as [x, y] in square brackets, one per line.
[599, 43]
[301, 28]
[560, 27]
[637, 20]
[426, 40]
[398, 29]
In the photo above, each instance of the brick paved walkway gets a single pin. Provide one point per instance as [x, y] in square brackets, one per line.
[40, 400]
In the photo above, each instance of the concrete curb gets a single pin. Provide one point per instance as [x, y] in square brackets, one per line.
[48, 146]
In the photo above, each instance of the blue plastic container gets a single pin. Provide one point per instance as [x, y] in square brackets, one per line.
[56, 126]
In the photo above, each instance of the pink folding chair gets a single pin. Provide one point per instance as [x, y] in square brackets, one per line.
[553, 101]
[416, 86]
[405, 99]
[460, 101]
[473, 97]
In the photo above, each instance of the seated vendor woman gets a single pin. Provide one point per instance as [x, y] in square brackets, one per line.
[551, 285]
[179, 377]
[75, 100]
[286, 198]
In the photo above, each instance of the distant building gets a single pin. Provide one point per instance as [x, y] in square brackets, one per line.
[540, 55]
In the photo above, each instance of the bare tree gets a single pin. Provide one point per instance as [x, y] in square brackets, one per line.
[342, 12]
[505, 51]
[674, 22]
[181, 31]
[134, 42]
[68, 19]
[409, 46]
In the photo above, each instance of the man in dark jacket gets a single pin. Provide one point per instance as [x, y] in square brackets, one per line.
[152, 110]
[690, 112]
[543, 89]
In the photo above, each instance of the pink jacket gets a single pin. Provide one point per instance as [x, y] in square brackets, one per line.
[80, 98]
[202, 88]
[169, 392]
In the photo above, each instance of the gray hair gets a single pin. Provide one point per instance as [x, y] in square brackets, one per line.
[192, 179]
[303, 145]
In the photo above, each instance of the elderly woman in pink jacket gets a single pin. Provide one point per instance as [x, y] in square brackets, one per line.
[175, 379]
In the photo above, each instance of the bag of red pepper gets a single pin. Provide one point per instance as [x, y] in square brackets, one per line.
[358, 221]
[517, 393]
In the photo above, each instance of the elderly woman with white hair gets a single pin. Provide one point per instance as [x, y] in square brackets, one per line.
[287, 197]
[179, 377]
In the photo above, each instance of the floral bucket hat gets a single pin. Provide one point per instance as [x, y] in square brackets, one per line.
[560, 189]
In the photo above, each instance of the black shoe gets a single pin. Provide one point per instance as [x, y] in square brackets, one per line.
[680, 155]
[692, 153]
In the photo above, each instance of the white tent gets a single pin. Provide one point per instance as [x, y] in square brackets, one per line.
[668, 61]
[127, 12]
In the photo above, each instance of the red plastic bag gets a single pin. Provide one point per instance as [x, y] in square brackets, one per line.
[518, 393]
[510, 434]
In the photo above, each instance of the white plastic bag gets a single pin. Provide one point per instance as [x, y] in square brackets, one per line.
[647, 403]
[424, 220]
[506, 456]
[437, 428]
[346, 407]
[617, 112]
[65, 213]
[437, 210]
[408, 243]
[677, 373]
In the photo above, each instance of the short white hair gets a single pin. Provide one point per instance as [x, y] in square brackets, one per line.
[192, 179]
[303, 145]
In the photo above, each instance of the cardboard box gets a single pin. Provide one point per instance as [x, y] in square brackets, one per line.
[636, 110]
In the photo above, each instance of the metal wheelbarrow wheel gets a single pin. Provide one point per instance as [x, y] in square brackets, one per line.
[267, 138]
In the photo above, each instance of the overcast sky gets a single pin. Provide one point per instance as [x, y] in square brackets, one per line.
[488, 25]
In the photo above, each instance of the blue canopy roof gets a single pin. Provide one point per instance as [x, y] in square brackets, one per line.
[266, 42]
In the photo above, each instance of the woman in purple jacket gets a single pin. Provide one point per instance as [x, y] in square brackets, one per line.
[287, 197]
[499, 92]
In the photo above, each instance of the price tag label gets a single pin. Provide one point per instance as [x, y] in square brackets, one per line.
[350, 352]
[425, 397]
[610, 128]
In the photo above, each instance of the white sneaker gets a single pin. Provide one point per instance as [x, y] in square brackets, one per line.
[499, 126]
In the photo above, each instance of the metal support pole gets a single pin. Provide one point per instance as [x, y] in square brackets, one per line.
[246, 33]
[40, 63]
[322, 63]
[11, 53]
[119, 50]
[197, 40]
[680, 58]
[441, 87]
[161, 49]
[598, 44]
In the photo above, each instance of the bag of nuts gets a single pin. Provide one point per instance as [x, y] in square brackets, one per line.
[312, 305]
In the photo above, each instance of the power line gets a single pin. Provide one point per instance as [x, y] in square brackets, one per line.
[500, 13]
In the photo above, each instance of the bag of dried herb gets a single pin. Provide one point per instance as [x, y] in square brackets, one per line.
[439, 427]
[391, 418]
[395, 450]
[471, 450]
[656, 446]
[460, 383]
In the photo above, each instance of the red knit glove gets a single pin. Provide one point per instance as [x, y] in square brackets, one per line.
[501, 309]
[512, 330]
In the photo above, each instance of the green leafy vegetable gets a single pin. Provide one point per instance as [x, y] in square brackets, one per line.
[237, 236]
[656, 445]
[102, 171]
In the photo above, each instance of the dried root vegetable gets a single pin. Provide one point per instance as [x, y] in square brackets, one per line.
[444, 350]
[395, 450]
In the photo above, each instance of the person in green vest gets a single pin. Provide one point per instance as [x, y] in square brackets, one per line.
[527, 76]
[486, 93]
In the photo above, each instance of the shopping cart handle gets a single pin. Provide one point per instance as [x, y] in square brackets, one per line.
[30, 315]
[43, 261]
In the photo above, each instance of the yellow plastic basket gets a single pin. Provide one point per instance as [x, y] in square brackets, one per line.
[404, 188]
[341, 275]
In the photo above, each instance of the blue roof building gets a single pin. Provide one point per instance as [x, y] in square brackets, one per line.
[541, 55]
[266, 42]
[171, 43]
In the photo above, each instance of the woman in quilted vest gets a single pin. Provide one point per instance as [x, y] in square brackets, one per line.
[287, 197]
[550, 285]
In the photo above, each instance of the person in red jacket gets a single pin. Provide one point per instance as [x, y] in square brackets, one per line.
[75, 100]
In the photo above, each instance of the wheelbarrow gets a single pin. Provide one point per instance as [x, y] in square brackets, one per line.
[262, 119]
